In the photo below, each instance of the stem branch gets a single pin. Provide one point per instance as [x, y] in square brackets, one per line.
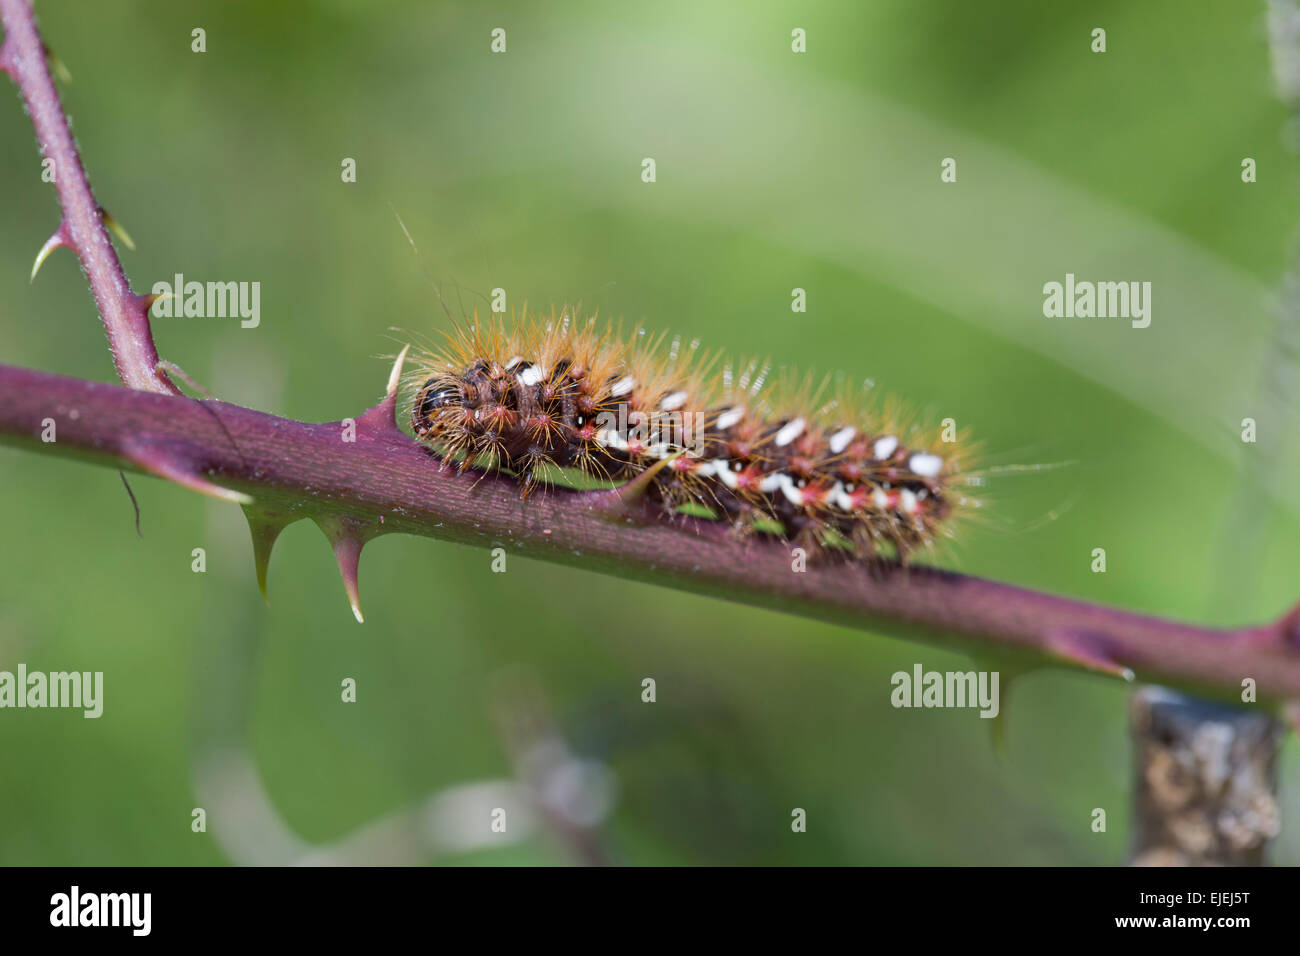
[125, 314]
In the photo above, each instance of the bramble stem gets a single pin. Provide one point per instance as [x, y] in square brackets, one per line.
[125, 314]
[384, 482]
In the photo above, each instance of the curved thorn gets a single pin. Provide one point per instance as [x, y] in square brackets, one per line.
[1089, 650]
[383, 417]
[60, 70]
[148, 299]
[395, 376]
[154, 461]
[57, 66]
[171, 368]
[347, 540]
[116, 229]
[56, 241]
[621, 503]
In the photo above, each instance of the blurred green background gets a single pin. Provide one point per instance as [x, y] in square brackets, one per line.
[522, 171]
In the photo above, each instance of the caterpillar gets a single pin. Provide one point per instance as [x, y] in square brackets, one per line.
[837, 475]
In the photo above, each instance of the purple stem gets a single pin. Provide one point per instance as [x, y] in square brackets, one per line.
[125, 314]
[384, 482]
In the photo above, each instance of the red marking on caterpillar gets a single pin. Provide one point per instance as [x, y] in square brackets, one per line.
[843, 475]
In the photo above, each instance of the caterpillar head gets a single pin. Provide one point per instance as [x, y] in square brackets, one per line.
[433, 398]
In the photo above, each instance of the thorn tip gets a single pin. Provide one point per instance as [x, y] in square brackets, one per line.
[1091, 651]
[154, 461]
[347, 538]
[395, 376]
[116, 229]
[265, 529]
[57, 240]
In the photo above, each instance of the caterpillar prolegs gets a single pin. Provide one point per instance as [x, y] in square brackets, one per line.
[828, 469]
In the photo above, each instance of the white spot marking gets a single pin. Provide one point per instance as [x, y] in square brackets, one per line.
[840, 499]
[771, 482]
[722, 468]
[731, 417]
[840, 440]
[793, 494]
[623, 386]
[885, 447]
[926, 465]
[531, 376]
[673, 402]
[790, 432]
[909, 501]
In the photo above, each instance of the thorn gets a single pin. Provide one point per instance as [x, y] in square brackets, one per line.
[1089, 650]
[1009, 675]
[152, 460]
[147, 300]
[347, 538]
[265, 528]
[171, 368]
[383, 417]
[57, 66]
[998, 734]
[620, 504]
[116, 229]
[395, 376]
[58, 240]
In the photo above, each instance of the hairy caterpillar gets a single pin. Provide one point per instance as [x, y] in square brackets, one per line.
[839, 476]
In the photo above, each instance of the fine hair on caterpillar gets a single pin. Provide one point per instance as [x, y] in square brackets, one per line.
[821, 465]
